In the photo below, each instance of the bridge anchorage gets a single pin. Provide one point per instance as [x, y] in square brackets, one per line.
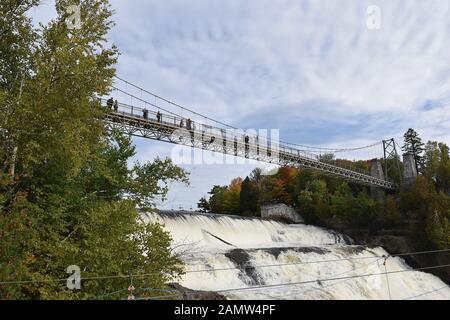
[172, 128]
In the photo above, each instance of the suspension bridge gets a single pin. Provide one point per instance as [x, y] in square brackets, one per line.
[150, 116]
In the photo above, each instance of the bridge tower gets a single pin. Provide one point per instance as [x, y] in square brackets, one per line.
[409, 170]
[376, 171]
[391, 161]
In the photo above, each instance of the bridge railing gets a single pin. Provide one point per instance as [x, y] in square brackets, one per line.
[177, 122]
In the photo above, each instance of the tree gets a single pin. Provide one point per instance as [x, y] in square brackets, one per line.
[232, 197]
[432, 159]
[416, 201]
[216, 199]
[437, 165]
[306, 206]
[443, 170]
[388, 212]
[256, 175]
[341, 201]
[203, 205]
[326, 157]
[438, 221]
[73, 199]
[413, 145]
[248, 199]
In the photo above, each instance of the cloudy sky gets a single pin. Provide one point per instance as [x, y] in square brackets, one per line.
[326, 73]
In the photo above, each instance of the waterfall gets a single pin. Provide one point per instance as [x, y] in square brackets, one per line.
[261, 259]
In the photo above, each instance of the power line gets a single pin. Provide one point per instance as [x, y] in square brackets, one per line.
[188, 271]
[109, 294]
[332, 260]
[167, 296]
[387, 278]
[225, 269]
[418, 252]
[330, 285]
[428, 292]
[316, 280]
[329, 279]
[380, 257]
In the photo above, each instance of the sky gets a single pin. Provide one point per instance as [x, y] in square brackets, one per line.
[327, 73]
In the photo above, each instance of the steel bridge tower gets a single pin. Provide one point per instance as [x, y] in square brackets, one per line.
[391, 160]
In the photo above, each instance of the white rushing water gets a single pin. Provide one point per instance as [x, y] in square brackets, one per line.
[261, 259]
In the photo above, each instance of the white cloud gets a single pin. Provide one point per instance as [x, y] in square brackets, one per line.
[232, 59]
[311, 67]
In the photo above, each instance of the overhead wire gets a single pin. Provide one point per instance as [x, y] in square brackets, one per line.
[425, 293]
[330, 285]
[315, 280]
[225, 269]
[329, 279]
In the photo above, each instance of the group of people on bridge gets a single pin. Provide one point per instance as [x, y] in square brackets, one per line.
[190, 125]
[112, 104]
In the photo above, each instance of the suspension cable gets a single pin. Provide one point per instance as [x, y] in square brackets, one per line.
[319, 149]
[173, 103]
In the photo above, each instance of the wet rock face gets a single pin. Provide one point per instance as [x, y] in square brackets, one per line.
[241, 259]
[277, 251]
[280, 211]
[188, 294]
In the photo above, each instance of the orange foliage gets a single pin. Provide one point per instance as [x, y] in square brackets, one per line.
[235, 185]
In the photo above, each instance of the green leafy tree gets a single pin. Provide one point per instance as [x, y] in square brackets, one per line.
[203, 205]
[341, 201]
[438, 221]
[413, 145]
[306, 206]
[388, 212]
[73, 199]
[415, 202]
[437, 163]
[216, 199]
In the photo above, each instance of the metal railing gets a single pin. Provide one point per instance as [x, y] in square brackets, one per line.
[249, 142]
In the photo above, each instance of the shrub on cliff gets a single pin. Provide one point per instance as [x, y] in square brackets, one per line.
[438, 221]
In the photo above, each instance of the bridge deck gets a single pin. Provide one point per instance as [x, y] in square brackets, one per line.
[130, 120]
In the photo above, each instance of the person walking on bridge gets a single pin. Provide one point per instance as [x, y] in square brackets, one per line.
[116, 105]
[189, 124]
[110, 102]
[158, 116]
